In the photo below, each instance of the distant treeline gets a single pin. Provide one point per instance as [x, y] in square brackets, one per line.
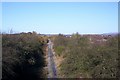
[23, 56]
[87, 59]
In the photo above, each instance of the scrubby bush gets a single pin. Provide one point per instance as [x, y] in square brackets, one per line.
[86, 59]
[22, 56]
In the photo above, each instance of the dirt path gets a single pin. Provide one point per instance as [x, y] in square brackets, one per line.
[51, 65]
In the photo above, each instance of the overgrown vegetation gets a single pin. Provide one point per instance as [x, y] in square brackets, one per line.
[82, 58]
[23, 56]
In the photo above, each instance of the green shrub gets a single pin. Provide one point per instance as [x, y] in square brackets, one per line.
[84, 59]
[59, 50]
[22, 56]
